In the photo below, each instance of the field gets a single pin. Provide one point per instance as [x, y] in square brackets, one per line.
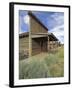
[44, 65]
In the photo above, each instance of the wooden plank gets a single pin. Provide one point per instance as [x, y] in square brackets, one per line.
[36, 27]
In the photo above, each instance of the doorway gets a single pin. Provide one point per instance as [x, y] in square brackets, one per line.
[43, 45]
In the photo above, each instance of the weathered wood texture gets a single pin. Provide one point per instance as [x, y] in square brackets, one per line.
[37, 40]
[36, 48]
[23, 47]
[52, 45]
[36, 27]
[39, 45]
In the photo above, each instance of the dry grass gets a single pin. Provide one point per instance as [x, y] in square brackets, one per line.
[44, 65]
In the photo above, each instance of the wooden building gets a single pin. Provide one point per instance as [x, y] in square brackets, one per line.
[37, 40]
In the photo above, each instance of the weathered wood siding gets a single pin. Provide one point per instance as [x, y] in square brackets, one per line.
[52, 45]
[23, 47]
[36, 47]
[39, 45]
[36, 27]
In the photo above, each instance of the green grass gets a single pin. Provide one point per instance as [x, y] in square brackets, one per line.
[43, 66]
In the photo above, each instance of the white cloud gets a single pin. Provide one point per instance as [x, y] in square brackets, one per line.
[20, 32]
[58, 17]
[26, 19]
[58, 32]
[58, 26]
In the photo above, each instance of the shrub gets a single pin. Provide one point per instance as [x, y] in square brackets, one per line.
[50, 59]
[33, 69]
[60, 53]
[51, 66]
[55, 63]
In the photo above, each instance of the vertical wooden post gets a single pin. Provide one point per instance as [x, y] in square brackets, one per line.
[30, 39]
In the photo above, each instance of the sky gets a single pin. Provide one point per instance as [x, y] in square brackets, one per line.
[54, 21]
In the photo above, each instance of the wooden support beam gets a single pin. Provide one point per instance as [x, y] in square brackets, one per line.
[30, 40]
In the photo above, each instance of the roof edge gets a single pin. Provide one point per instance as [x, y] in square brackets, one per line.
[31, 14]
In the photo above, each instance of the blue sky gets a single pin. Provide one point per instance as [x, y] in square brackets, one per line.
[54, 21]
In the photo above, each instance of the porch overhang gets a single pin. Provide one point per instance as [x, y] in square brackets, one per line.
[51, 36]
